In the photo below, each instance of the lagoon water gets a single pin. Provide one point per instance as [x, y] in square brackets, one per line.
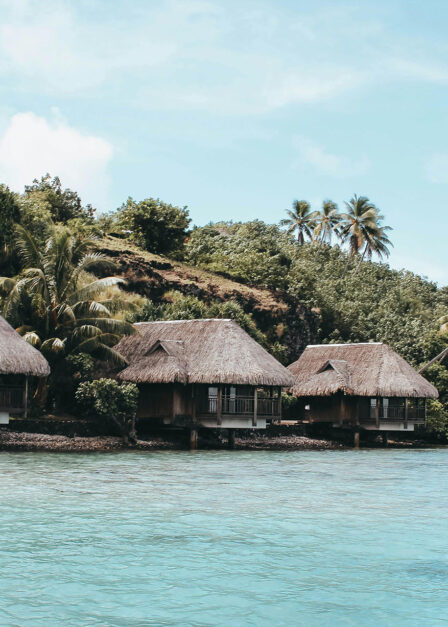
[224, 538]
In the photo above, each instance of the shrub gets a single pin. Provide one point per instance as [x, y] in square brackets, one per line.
[108, 399]
[437, 419]
[155, 225]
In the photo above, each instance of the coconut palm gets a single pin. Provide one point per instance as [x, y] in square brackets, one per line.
[377, 243]
[58, 311]
[361, 228]
[327, 221]
[301, 219]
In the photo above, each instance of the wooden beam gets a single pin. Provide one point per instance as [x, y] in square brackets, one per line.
[219, 406]
[280, 403]
[25, 398]
[406, 413]
[254, 419]
[377, 412]
[438, 358]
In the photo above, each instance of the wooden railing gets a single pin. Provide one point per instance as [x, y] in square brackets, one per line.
[11, 398]
[398, 414]
[241, 406]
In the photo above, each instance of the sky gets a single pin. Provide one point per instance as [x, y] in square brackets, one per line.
[235, 107]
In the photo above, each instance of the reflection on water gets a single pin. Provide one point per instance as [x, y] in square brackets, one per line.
[224, 538]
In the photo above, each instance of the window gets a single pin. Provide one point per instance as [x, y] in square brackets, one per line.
[212, 400]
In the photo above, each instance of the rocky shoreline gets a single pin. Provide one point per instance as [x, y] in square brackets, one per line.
[23, 441]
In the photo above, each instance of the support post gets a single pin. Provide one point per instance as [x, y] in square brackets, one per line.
[25, 398]
[405, 413]
[219, 407]
[280, 404]
[254, 418]
[231, 438]
[356, 439]
[193, 439]
[377, 412]
[384, 438]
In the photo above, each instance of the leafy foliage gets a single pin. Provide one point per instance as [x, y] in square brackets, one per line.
[155, 225]
[63, 205]
[108, 399]
[56, 311]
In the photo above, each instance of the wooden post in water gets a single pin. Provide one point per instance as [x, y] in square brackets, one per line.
[193, 439]
[356, 439]
[384, 438]
[231, 438]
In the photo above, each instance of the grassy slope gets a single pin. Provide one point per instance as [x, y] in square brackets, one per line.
[151, 274]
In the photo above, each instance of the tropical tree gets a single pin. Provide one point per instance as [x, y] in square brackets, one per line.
[57, 309]
[300, 219]
[327, 221]
[377, 243]
[361, 228]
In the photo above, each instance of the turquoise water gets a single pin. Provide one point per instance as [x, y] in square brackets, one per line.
[224, 538]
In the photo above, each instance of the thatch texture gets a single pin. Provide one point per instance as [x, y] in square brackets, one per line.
[359, 370]
[198, 351]
[19, 357]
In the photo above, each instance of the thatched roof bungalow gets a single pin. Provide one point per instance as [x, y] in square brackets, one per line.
[18, 361]
[367, 384]
[206, 372]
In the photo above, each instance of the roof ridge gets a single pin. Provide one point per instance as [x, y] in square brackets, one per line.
[184, 321]
[348, 344]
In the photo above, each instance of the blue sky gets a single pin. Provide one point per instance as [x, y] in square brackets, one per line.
[235, 108]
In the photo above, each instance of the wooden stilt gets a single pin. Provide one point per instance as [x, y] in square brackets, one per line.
[231, 438]
[384, 438]
[193, 439]
[356, 439]
[406, 407]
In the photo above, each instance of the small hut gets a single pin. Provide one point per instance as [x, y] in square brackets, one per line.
[208, 373]
[18, 361]
[368, 385]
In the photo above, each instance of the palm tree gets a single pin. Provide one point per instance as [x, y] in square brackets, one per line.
[361, 227]
[58, 311]
[301, 219]
[327, 221]
[377, 243]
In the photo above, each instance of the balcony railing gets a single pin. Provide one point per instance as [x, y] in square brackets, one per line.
[11, 398]
[397, 414]
[241, 406]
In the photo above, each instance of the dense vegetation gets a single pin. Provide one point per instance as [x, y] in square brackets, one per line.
[321, 262]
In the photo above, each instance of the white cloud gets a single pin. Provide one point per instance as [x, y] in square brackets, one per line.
[437, 168]
[327, 163]
[32, 146]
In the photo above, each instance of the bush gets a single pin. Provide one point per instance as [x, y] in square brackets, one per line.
[437, 419]
[155, 225]
[108, 399]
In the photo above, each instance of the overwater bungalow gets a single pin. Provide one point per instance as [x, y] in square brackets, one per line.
[366, 385]
[18, 362]
[208, 373]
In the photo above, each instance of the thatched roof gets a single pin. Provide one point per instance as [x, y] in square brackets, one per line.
[358, 369]
[19, 357]
[198, 351]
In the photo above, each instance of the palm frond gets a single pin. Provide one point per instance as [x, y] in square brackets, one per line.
[94, 288]
[109, 325]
